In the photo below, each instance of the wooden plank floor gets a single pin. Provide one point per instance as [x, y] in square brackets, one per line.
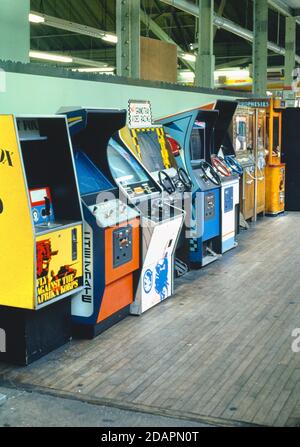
[220, 348]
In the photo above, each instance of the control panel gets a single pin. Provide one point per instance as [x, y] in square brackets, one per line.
[112, 212]
[203, 181]
[122, 246]
[139, 189]
[179, 185]
[209, 206]
[41, 206]
[228, 199]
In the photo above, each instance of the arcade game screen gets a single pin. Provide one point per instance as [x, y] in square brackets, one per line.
[242, 129]
[241, 133]
[90, 179]
[150, 150]
[197, 144]
[128, 172]
[261, 133]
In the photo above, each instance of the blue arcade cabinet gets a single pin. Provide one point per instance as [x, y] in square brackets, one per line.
[111, 236]
[140, 228]
[194, 132]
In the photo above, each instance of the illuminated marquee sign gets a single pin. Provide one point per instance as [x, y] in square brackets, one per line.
[260, 104]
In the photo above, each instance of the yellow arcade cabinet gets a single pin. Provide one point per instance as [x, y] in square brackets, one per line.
[40, 236]
[260, 156]
[275, 170]
[243, 141]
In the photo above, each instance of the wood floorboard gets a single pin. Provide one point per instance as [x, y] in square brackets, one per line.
[220, 348]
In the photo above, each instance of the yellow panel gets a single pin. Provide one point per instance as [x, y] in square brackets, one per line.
[16, 233]
[164, 151]
[275, 189]
[59, 272]
[130, 141]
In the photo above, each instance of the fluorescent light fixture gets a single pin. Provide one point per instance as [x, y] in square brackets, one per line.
[189, 57]
[50, 57]
[186, 76]
[35, 18]
[231, 75]
[95, 70]
[110, 38]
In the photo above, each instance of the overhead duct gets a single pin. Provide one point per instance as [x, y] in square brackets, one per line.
[225, 24]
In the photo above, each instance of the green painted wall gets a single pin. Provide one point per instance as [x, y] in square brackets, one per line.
[14, 30]
[35, 94]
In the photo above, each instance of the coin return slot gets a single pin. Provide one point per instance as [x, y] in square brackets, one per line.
[122, 246]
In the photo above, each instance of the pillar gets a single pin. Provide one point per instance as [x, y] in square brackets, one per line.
[14, 30]
[205, 63]
[260, 48]
[290, 50]
[128, 32]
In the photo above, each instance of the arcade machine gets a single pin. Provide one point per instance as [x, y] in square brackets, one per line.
[228, 176]
[111, 228]
[40, 236]
[261, 129]
[193, 130]
[242, 134]
[151, 146]
[258, 147]
[160, 223]
[275, 169]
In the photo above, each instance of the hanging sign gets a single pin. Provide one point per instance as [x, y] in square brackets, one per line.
[139, 114]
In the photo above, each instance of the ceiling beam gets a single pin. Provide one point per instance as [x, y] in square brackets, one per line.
[225, 24]
[85, 30]
[73, 27]
[220, 13]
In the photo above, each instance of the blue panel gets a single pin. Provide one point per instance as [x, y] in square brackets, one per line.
[228, 199]
[90, 179]
[212, 226]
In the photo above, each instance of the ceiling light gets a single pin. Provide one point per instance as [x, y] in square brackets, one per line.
[35, 18]
[233, 74]
[50, 57]
[95, 70]
[186, 76]
[110, 38]
[189, 57]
